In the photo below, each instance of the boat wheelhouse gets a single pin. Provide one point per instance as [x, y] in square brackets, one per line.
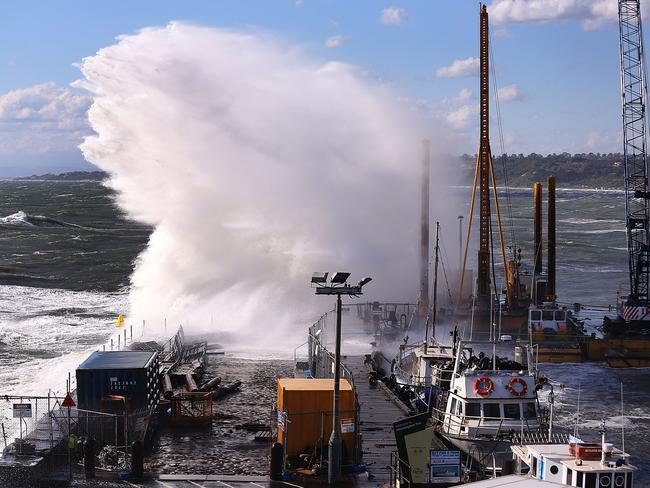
[487, 400]
[576, 463]
[547, 320]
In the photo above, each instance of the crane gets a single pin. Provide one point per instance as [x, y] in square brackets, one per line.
[635, 308]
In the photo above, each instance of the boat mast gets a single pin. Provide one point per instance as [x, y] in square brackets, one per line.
[483, 291]
[435, 295]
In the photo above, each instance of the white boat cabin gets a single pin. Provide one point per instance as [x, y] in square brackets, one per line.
[577, 464]
[486, 402]
[547, 319]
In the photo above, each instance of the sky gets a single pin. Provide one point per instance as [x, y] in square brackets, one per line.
[556, 63]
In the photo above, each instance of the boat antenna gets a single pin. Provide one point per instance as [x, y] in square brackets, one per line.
[622, 421]
[575, 430]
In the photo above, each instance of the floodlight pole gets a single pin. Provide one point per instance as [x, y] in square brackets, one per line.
[334, 467]
[338, 286]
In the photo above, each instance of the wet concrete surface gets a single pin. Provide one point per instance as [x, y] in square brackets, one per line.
[226, 447]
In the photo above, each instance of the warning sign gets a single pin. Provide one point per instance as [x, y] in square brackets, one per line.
[347, 426]
[68, 401]
[22, 410]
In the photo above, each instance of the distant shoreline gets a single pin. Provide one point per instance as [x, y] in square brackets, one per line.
[78, 176]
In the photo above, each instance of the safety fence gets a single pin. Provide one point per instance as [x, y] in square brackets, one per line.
[42, 426]
[305, 437]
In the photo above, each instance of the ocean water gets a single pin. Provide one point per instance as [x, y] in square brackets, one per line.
[66, 254]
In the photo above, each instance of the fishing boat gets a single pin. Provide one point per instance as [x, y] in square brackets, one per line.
[485, 401]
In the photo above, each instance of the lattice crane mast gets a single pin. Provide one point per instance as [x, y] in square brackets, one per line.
[636, 307]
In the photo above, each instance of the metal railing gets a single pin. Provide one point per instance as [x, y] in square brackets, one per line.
[400, 471]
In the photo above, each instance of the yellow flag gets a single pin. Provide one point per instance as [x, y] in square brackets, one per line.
[120, 321]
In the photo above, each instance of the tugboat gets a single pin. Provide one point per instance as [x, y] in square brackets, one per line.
[485, 402]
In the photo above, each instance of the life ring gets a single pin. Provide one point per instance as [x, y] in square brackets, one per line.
[483, 386]
[515, 390]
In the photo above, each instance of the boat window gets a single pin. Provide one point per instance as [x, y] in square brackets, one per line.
[569, 476]
[534, 467]
[473, 409]
[547, 315]
[579, 476]
[511, 411]
[453, 405]
[459, 408]
[535, 315]
[590, 480]
[491, 410]
[560, 315]
[554, 469]
[530, 412]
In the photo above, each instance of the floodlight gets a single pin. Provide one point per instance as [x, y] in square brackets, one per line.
[340, 277]
[319, 278]
[365, 281]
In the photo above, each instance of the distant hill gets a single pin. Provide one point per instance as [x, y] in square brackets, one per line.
[570, 170]
[70, 176]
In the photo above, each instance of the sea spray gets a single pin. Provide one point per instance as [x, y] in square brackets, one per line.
[257, 166]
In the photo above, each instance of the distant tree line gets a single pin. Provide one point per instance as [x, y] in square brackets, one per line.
[582, 170]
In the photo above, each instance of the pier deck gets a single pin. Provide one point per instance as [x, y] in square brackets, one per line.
[377, 414]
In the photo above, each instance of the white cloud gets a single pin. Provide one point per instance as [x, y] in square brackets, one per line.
[297, 3]
[464, 94]
[459, 67]
[42, 118]
[510, 93]
[461, 117]
[501, 33]
[334, 42]
[392, 16]
[590, 13]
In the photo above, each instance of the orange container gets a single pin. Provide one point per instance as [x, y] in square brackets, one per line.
[586, 451]
[305, 415]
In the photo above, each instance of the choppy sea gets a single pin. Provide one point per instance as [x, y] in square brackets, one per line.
[66, 254]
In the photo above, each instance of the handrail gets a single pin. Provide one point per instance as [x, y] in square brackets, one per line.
[396, 472]
[346, 373]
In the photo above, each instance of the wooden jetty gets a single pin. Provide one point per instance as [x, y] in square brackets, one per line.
[378, 410]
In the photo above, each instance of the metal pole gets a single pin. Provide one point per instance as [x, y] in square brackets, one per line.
[460, 244]
[551, 399]
[69, 451]
[424, 234]
[334, 467]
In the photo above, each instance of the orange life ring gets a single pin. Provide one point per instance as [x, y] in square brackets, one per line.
[517, 391]
[483, 386]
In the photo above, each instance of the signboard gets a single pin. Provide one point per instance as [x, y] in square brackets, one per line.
[403, 428]
[280, 419]
[445, 467]
[22, 410]
[347, 426]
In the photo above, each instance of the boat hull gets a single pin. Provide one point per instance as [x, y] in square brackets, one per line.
[483, 450]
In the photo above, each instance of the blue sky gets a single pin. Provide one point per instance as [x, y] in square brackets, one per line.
[557, 64]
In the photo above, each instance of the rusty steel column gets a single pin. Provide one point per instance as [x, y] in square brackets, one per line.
[484, 161]
[550, 238]
[424, 233]
[537, 226]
